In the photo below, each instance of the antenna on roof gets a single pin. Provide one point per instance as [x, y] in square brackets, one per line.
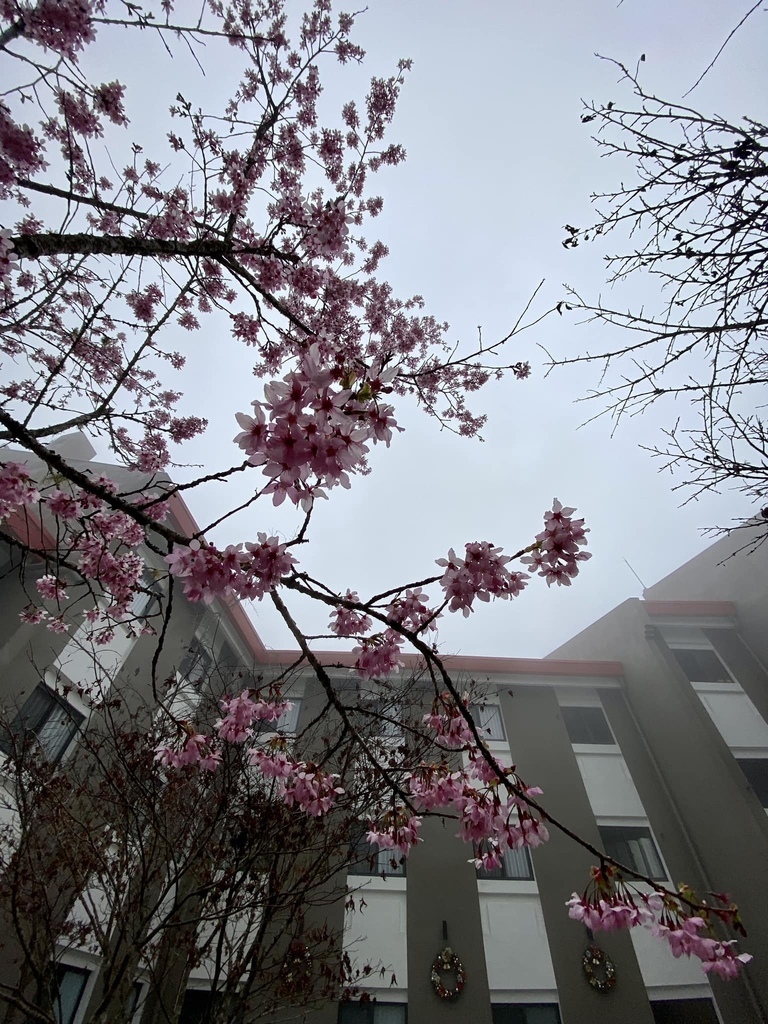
[634, 574]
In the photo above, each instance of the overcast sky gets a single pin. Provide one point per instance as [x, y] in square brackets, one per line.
[498, 162]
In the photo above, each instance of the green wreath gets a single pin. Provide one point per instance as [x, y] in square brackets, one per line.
[595, 959]
[448, 961]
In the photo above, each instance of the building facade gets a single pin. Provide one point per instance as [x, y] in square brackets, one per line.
[648, 733]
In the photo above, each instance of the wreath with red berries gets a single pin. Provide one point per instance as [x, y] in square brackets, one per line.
[448, 961]
[594, 960]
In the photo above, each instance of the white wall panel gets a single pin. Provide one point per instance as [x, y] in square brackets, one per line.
[660, 969]
[736, 717]
[516, 947]
[377, 935]
[609, 785]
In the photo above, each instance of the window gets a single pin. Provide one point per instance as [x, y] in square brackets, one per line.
[587, 725]
[373, 1013]
[386, 727]
[71, 982]
[633, 846]
[50, 719]
[196, 664]
[489, 718]
[756, 771]
[288, 722]
[147, 600]
[516, 866]
[133, 1000]
[683, 1011]
[368, 859]
[701, 666]
[197, 1005]
[525, 1013]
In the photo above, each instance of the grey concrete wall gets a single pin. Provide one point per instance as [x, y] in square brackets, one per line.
[718, 823]
[727, 571]
[442, 886]
[544, 756]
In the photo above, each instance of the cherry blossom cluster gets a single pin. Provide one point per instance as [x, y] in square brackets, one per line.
[412, 611]
[481, 574]
[557, 555]
[64, 26]
[613, 906]
[8, 257]
[17, 489]
[299, 783]
[309, 433]
[195, 749]
[248, 572]
[379, 655]
[396, 830]
[347, 622]
[241, 712]
[100, 542]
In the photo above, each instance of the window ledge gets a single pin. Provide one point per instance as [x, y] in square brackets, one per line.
[507, 887]
[375, 883]
[611, 749]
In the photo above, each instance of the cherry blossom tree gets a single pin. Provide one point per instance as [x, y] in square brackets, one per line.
[248, 221]
[105, 858]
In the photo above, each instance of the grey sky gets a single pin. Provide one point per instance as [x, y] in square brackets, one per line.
[497, 162]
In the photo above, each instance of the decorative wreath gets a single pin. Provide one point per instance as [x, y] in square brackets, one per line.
[448, 961]
[594, 960]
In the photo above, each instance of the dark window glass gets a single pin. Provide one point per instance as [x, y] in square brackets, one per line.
[197, 1005]
[146, 601]
[133, 1000]
[756, 771]
[633, 846]
[288, 722]
[71, 982]
[373, 1013]
[382, 719]
[525, 1013]
[50, 719]
[196, 665]
[702, 666]
[370, 860]
[515, 866]
[489, 718]
[684, 1011]
[587, 725]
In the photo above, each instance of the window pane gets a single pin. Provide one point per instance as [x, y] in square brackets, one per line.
[587, 725]
[702, 666]
[507, 1013]
[71, 982]
[390, 1013]
[516, 866]
[525, 1013]
[390, 862]
[489, 718]
[684, 1011]
[633, 846]
[196, 664]
[355, 1013]
[133, 1000]
[370, 860]
[756, 771]
[196, 1006]
[50, 719]
[542, 1014]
